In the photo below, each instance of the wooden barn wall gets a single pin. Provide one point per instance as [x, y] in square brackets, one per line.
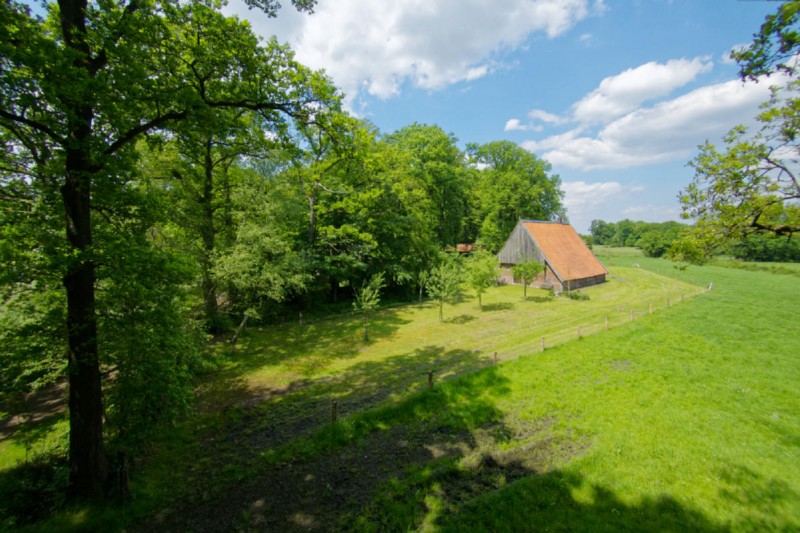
[586, 282]
[519, 248]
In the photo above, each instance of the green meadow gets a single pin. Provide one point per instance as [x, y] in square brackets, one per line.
[681, 414]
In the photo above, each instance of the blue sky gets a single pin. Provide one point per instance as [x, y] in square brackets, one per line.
[615, 95]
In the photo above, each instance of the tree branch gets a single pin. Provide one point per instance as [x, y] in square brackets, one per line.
[133, 133]
[35, 124]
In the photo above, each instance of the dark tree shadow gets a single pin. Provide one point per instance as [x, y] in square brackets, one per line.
[545, 502]
[539, 299]
[439, 426]
[460, 319]
[502, 306]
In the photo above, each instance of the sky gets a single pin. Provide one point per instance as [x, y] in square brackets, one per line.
[615, 95]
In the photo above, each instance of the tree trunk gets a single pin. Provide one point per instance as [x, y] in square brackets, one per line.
[334, 290]
[312, 214]
[209, 287]
[86, 454]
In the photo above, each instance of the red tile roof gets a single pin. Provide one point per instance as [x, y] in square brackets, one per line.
[565, 251]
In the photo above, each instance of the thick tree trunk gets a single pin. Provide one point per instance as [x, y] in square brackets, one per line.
[86, 453]
[209, 240]
[334, 290]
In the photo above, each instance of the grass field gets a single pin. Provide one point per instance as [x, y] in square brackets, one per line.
[685, 419]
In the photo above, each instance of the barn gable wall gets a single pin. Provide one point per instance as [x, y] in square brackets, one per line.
[519, 248]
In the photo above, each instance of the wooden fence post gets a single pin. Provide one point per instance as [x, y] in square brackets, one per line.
[542, 343]
[334, 414]
[606, 322]
[495, 358]
[579, 332]
[651, 309]
[631, 313]
[430, 379]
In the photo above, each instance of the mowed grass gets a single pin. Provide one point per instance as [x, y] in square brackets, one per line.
[690, 422]
[407, 342]
[682, 420]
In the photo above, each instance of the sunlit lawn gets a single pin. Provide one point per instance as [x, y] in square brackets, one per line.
[683, 419]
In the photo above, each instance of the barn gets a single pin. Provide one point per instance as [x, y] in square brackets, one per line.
[569, 264]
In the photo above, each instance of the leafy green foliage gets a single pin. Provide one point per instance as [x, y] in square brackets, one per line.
[368, 298]
[653, 238]
[751, 185]
[767, 248]
[526, 272]
[436, 167]
[774, 47]
[510, 184]
[444, 283]
[482, 271]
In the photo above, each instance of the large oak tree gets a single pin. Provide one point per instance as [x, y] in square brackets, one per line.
[78, 87]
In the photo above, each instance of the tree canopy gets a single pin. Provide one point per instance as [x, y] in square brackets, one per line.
[166, 174]
[751, 185]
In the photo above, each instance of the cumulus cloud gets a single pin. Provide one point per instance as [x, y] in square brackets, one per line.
[652, 212]
[544, 116]
[620, 94]
[580, 196]
[377, 46]
[668, 130]
[514, 124]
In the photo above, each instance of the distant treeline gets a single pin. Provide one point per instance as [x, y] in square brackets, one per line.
[656, 238]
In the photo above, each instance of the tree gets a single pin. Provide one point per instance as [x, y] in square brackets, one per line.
[512, 184]
[436, 166]
[602, 231]
[77, 89]
[444, 283]
[482, 271]
[751, 186]
[368, 298]
[526, 272]
[656, 238]
[774, 47]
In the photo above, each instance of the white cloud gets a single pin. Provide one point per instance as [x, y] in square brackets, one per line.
[553, 142]
[513, 124]
[652, 212]
[666, 131]
[620, 94]
[581, 196]
[544, 116]
[378, 45]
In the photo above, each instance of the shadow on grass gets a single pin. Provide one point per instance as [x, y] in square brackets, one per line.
[460, 319]
[539, 299]
[311, 345]
[314, 482]
[545, 502]
[270, 419]
[761, 498]
[502, 306]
